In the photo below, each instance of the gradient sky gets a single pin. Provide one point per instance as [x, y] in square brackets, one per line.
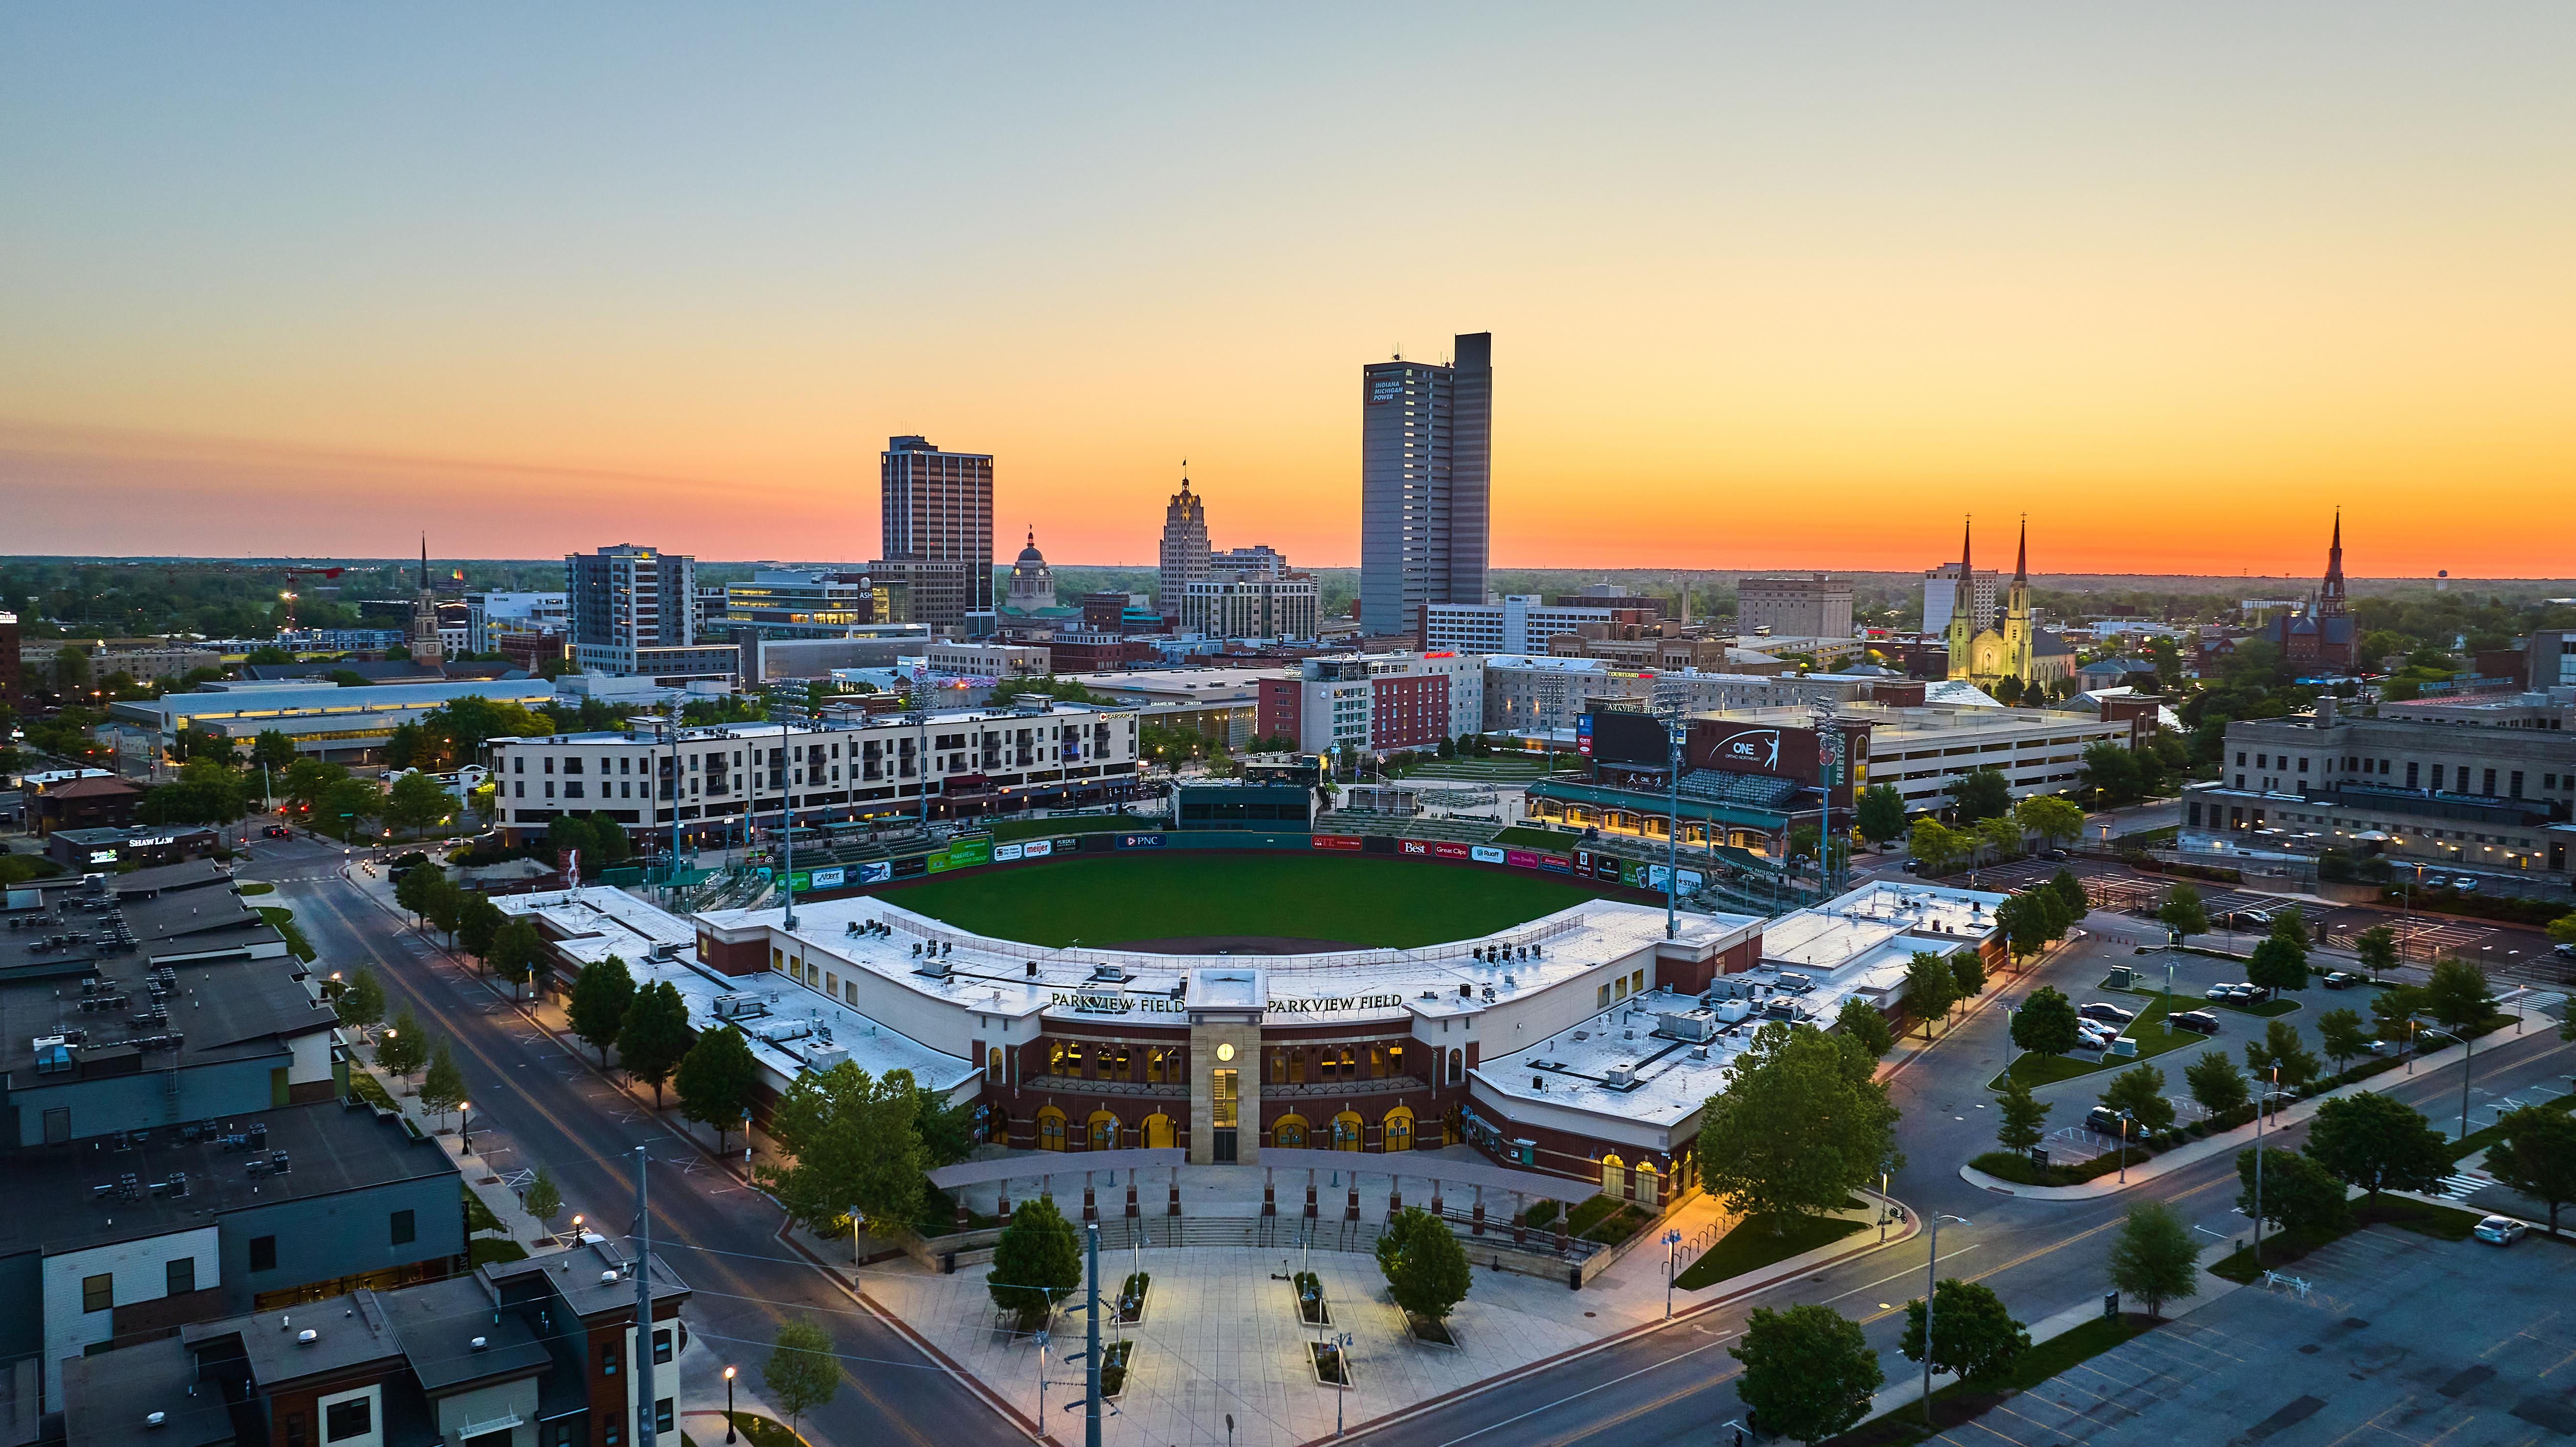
[1786, 285]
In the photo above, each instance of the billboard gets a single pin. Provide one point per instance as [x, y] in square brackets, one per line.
[1140, 841]
[1447, 849]
[1335, 841]
[1634, 739]
[1486, 854]
[1418, 848]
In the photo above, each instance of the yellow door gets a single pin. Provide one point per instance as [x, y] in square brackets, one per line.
[1158, 1131]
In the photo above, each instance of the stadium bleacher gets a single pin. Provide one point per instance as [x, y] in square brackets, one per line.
[1720, 786]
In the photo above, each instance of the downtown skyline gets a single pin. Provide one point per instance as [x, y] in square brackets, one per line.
[1776, 291]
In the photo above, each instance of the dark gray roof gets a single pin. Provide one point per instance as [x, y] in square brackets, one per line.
[581, 1277]
[439, 1324]
[212, 1009]
[108, 1399]
[330, 1148]
[348, 1331]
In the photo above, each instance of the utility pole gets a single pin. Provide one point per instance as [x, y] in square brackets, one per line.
[787, 820]
[1676, 727]
[1090, 1340]
[643, 1309]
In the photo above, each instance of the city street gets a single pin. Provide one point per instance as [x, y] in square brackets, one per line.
[534, 1103]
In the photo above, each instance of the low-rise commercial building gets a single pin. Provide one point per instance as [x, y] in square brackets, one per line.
[78, 799]
[139, 844]
[1379, 703]
[987, 660]
[1520, 623]
[344, 725]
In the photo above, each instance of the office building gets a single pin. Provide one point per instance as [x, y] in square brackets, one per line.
[322, 720]
[491, 617]
[1519, 623]
[1809, 607]
[1537, 694]
[1941, 592]
[986, 660]
[1375, 702]
[1260, 561]
[1251, 604]
[1184, 555]
[1426, 441]
[786, 603]
[939, 508]
[932, 592]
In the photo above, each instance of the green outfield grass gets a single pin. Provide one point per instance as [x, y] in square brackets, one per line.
[1144, 895]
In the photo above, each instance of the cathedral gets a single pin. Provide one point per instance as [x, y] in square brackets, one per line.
[2018, 649]
[2321, 637]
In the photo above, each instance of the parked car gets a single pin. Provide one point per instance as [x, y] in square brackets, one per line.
[278, 831]
[2464, 885]
[2385, 1048]
[2343, 980]
[2107, 1013]
[2202, 1022]
[2104, 1119]
[2237, 990]
[2499, 1230]
[2250, 919]
[2053, 856]
[2567, 952]
[1912, 866]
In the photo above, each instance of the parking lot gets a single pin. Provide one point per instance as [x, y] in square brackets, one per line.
[2383, 1337]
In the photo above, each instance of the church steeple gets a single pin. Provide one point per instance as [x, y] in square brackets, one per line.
[2330, 599]
[2021, 565]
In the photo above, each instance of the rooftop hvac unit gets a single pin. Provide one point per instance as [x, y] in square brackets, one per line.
[825, 1057]
[663, 950]
[1622, 1076]
[1797, 983]
[1731, 1011]
[1111, 973]
[933, 968]
[1694, 1025]
[738, 1006]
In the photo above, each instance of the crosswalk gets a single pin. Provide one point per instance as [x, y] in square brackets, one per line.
[2461, 1185]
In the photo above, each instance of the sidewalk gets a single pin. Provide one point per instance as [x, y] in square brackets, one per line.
[2048, 1328]
[2225, 1143]
[480, 1177]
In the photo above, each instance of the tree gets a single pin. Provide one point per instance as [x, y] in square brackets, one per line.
[2069, 891]
[655, 1038]
[716, 1080]
[1930, 988]
[2377, 949]
[478, 927]
[362, 1002]
[1980, 794]
[1973, 1337]
[1793, 1133]
[2457, 997]
[2216, 1084]
[2290, 927]
[542, 1199]
[2112, 769]
[1999, 836]
[417, 801]
[445, 903]
[443, 1088]
[2278, 965]
[2153, 1258]
[2139, 1093]
[517, 951]
[600, 998]
[852, 1142]
[272, 751]
[2378, 1143]
[803, 1371]
[307, 781]
[2183, 913]
[2024, 1117]
[411, 890]
[1937, 845]
[2537, 1157]
[2562, 930]
[1968, 973]
[404, 1047]
[2045, 1023]
[2298, 1194]
[1036, 1263]
[2393, 1011]
[1808, 1371]
[1426, 1269]
[206, 792]
[344, 804]
[1879, 813]
[1859, 1020]
[2280, 1057]
[2340, 1033]
[2049, 817]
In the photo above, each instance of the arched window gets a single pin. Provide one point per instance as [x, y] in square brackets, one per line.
[1157, 1131]
[998, 1127]
[993, 1066]
[1457, 1067]
[1614, 1178]
[1650, 1186]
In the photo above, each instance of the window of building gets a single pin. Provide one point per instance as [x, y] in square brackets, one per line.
[2303, 763]
[405, 1230]
[662, 1415]
[550, 763]
[179, 1277]
[98, 1293]
[355, 1417]
[1637, 982]
[608, 1359]
[263, 1253]
[661, 1345]
[2515, 783]
[518, 763]
[2489, 790]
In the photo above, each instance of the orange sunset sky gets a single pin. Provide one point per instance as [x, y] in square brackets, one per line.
[1770, 286]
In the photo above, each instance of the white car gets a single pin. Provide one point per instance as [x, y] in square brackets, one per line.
[2499, 1230]
[2096, 1037]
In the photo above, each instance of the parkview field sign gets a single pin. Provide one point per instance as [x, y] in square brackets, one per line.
[1099, 1002]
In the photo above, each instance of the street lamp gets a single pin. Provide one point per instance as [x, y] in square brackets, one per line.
[1672, 1240]
[1931, 1288]
[1341, 1345]
[728, 1404]
[465, 1126]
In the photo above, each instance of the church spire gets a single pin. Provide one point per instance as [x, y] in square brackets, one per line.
[1966, 528]
[2330, 597]
[2021, 565]
[424, 562]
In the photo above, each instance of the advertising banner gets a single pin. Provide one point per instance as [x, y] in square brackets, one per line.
[1691, 878]
[876, 871]
[1034, 849]
[966, 853]
[1632, 874]
[1418, 848]
[1005, 853]
[1605, 867]
[1522, 858]
[1557, 862]
[1336, 841]
[1446, 849]
[832, 878]
[910, 865]
[1140, 841]
[1486, 854]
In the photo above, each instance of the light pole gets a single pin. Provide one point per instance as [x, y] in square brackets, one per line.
[2124, 1148]
[1672, 1241]
[1341, 1344]
[1931, 1288]
[465, 1127]
[2261, 1108]
[728, 1404]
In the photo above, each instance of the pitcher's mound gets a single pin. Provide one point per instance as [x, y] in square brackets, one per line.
[1234, 945]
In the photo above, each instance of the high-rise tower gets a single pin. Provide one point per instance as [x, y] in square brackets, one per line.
[939, 508]
[1185, 546]
[1426, 453]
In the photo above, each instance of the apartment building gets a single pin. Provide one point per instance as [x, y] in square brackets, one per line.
[1815, 606]
[1520, 623]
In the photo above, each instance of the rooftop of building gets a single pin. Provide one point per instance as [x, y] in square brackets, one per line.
[792, 1023]
[145, 1395]
[171, 710]
[1375, 986]
[758, 732]
[66, 927]
[57, 1202]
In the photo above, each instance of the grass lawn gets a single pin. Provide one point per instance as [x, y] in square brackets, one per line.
[764, 1431]
[1525, 836]
[2154, 1039]
[1006, 830]
[478, 1217]
[1144, 895]
[483, 1249]
[254, 886]
[284, 920]
[1960, 1402]
[367, 1088]
[1753, 1244]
